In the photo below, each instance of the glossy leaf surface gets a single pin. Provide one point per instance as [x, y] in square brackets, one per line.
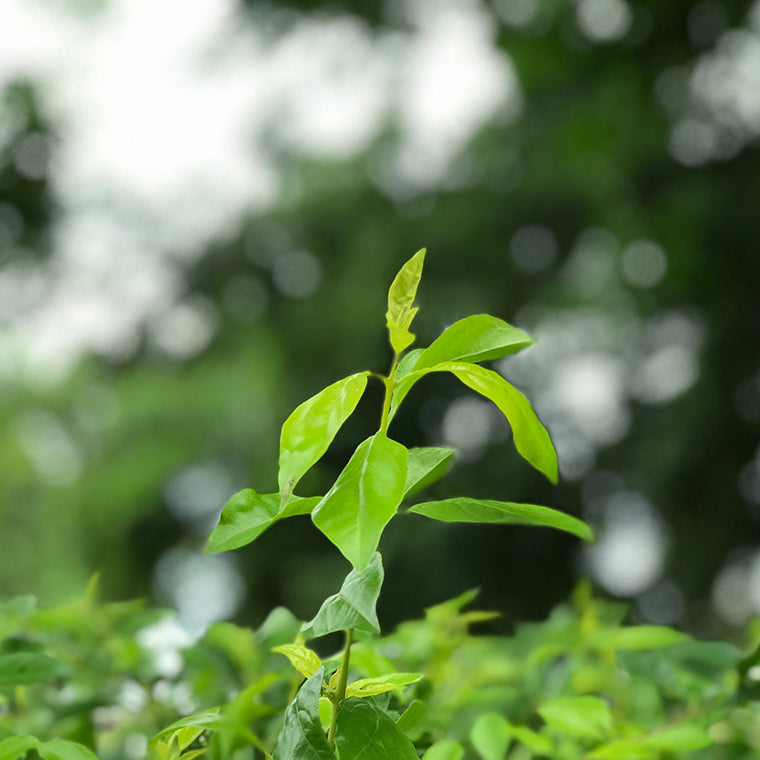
[302, 737]
[354, 606]
[425, 465]
[466, 510]
[303, 659]
[248, 514]
[530, 436]
[311, 427]
[366, 495]
[477, 338]
[401, 309]
[366, 732]
[366, 687]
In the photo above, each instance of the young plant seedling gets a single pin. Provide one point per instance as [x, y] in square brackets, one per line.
[367, 494]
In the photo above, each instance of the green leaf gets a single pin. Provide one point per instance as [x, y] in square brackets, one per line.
[21, 668]
[206, 720]
[365, 732]
[366, 495]
[303, 659]
[60, 749]
[489, 736]
[467, 510]
[310, 429]
[640, 637]
[366, 687]
[407, 362]
[425, 465]
[683, 738]
[477, 338]
[401, 296]
[353, 606]
[410, 718]
[445, 750]
[585, 716]
[530, 436]
[248, 514]
[302, 737]
[15, 747]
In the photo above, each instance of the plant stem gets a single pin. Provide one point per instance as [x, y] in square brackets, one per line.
[390, 385]
[340, 694]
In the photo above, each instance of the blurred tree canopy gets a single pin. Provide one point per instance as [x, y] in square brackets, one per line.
[606, 204]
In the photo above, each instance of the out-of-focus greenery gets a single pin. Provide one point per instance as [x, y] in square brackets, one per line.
[117, 679]
[589, 161]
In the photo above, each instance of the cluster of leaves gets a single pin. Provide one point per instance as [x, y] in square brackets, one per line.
[86, 680]
[81, 679]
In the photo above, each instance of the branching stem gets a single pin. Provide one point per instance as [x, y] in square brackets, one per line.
[390, 385]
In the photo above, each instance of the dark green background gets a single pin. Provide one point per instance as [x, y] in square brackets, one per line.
[589, 151]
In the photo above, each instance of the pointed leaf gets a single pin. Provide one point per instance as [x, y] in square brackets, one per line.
[400, 302]
[366, 495]
[640, 637]
[366, 687]
[410, 718]
[15, 747]
[60, 749]
[302, 736]
[467, 510]
[365, 732]
[206, 720]
[248, 514]
[489, 736]
[407, 362]
[477, 338]
[530, 436]
[425, 465]
[21, 668]
[353, 606]
[310, 429]
[303, 659]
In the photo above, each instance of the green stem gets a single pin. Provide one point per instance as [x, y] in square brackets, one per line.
[340, 693]
[390, 385]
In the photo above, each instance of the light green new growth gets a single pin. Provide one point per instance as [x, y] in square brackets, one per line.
[366, 495]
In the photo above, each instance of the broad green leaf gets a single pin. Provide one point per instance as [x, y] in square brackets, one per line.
[401, 308]
[410, 718]
[60, 749]
[425, 465]
[303, 659]
[489, 736]
[530, 436]
[302, 737]
[586, 716]
[15, 747]
[466, 510]
[478, 338]
[366, 687]
[366, 495]
[206, 720]
[639, 637]
[683, 738]
[535, 742]
[353, 606]
[407, 362]
[445, 750]
[248, 514]
[310, 429]
[21, 668]
[365, 732]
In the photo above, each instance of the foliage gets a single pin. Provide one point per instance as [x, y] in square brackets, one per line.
[86, 678]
